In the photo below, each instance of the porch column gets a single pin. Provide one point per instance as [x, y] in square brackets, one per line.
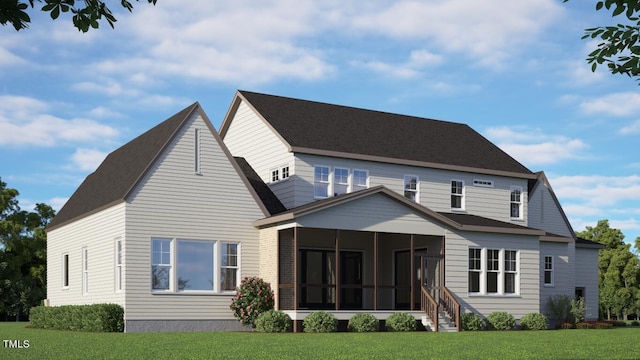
[295, 268]
[375, 271]
[412, 302]
[337, 269]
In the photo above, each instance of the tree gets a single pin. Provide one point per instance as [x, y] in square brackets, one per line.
[85, 16]
[23, 258]
[620, 46]
[618, 271]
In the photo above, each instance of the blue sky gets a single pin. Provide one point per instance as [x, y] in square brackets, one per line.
[512, 70]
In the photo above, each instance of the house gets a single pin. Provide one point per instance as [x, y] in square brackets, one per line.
[341, 209]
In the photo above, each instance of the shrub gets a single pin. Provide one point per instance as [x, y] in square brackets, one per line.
[585, 325]
[401, 321]
[96, 317]
[534, 321]
[565, 326]
[559, 307]
[320, 322]
[500, 320]
[471, 322]
[363, 323]
[635, 323]
[577, 309]
[273, 321]
[253, 297]
[618, 323]
[602, 325]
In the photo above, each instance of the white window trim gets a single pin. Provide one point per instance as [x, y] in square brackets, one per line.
[501, 272]
[217, 265]
[516, 272]
[118, 265]
[521, 203]
[329, 182]
[282, 177]
[197, 163]
[335, 183]
[277, 174]
[220, 267]
[552, 270]
[355, 187]
[65, 271]
[483, 183]
[417, 190]
[85, 271]
[462, 195]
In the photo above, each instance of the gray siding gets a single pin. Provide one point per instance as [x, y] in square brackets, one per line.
[172, 201]
[456, 272]
[435, 185]
[562, 282]
[97, 233]
[544, 213]
[587, 277]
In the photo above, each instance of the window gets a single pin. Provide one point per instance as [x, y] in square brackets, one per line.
[194, 265]
[65, 271]
[475, 270]
[483, 183]
[321, 182]
[360, 179]
[493, 270]
[118, 265]
[516, 202]
[548, 271]
[85, 271]
[457, 197]
[340, 181]
[196, 142]
[285, 172]
[510, 271]
[161, 264]
[229, 267]
[275, 175]
[488, 277]
[411, 187]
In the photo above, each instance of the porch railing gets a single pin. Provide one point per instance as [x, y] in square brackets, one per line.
[451, 306]
[429, 306]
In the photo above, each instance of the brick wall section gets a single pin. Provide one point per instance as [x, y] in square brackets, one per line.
[269, 259]
[285, 256]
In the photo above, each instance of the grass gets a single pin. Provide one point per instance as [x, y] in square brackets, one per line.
[617, 343]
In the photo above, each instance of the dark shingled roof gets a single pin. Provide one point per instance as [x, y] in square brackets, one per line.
[268, 198]
[321, 126]
[120, 171]
[580, 242]
[474, 220]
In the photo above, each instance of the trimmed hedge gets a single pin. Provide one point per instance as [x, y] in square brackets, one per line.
[363, 323]
[471, 322]
[400, 321]
[273, 321]
[501, 320]
[320, 322]
[93, 318]
[534, 321]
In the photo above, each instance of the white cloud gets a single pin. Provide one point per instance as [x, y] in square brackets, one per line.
[616, 104]
[26, 121]
[597, 190]
[633, 128]
[87, 159]
[57, 202]
[533, 147]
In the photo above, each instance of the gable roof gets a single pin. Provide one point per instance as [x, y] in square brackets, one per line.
[462, 222]
[120, 172]
[342, 131]
[541, 179]
[268, 198]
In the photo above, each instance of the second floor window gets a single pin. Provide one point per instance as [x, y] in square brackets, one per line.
[411, 187]
[275, 175]
[321, 182]
[516, 202]
[457, 198]
[360, 179]
[285, 172]
[548, 270]
[340, 181]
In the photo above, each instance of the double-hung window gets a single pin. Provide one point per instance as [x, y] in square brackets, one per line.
[360, 179]
[548, 271]
[516, 202]
[412, 188]
[321, 182]
[229, 267]
[493, 270]
[475, 270]
[85, 271]
[510, 271]
[340, 181]
[161, 265]
[118, 264]
[457, 194]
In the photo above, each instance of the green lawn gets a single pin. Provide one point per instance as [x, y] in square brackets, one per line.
[617, 343]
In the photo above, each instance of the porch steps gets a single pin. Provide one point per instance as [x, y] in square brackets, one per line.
[445, 324]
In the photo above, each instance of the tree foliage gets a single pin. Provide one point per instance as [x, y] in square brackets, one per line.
[23, 258]
[87, 14]
[620, 46]
[618, 271]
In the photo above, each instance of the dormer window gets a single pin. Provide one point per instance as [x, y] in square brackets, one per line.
[411, 187]
[275, 175]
